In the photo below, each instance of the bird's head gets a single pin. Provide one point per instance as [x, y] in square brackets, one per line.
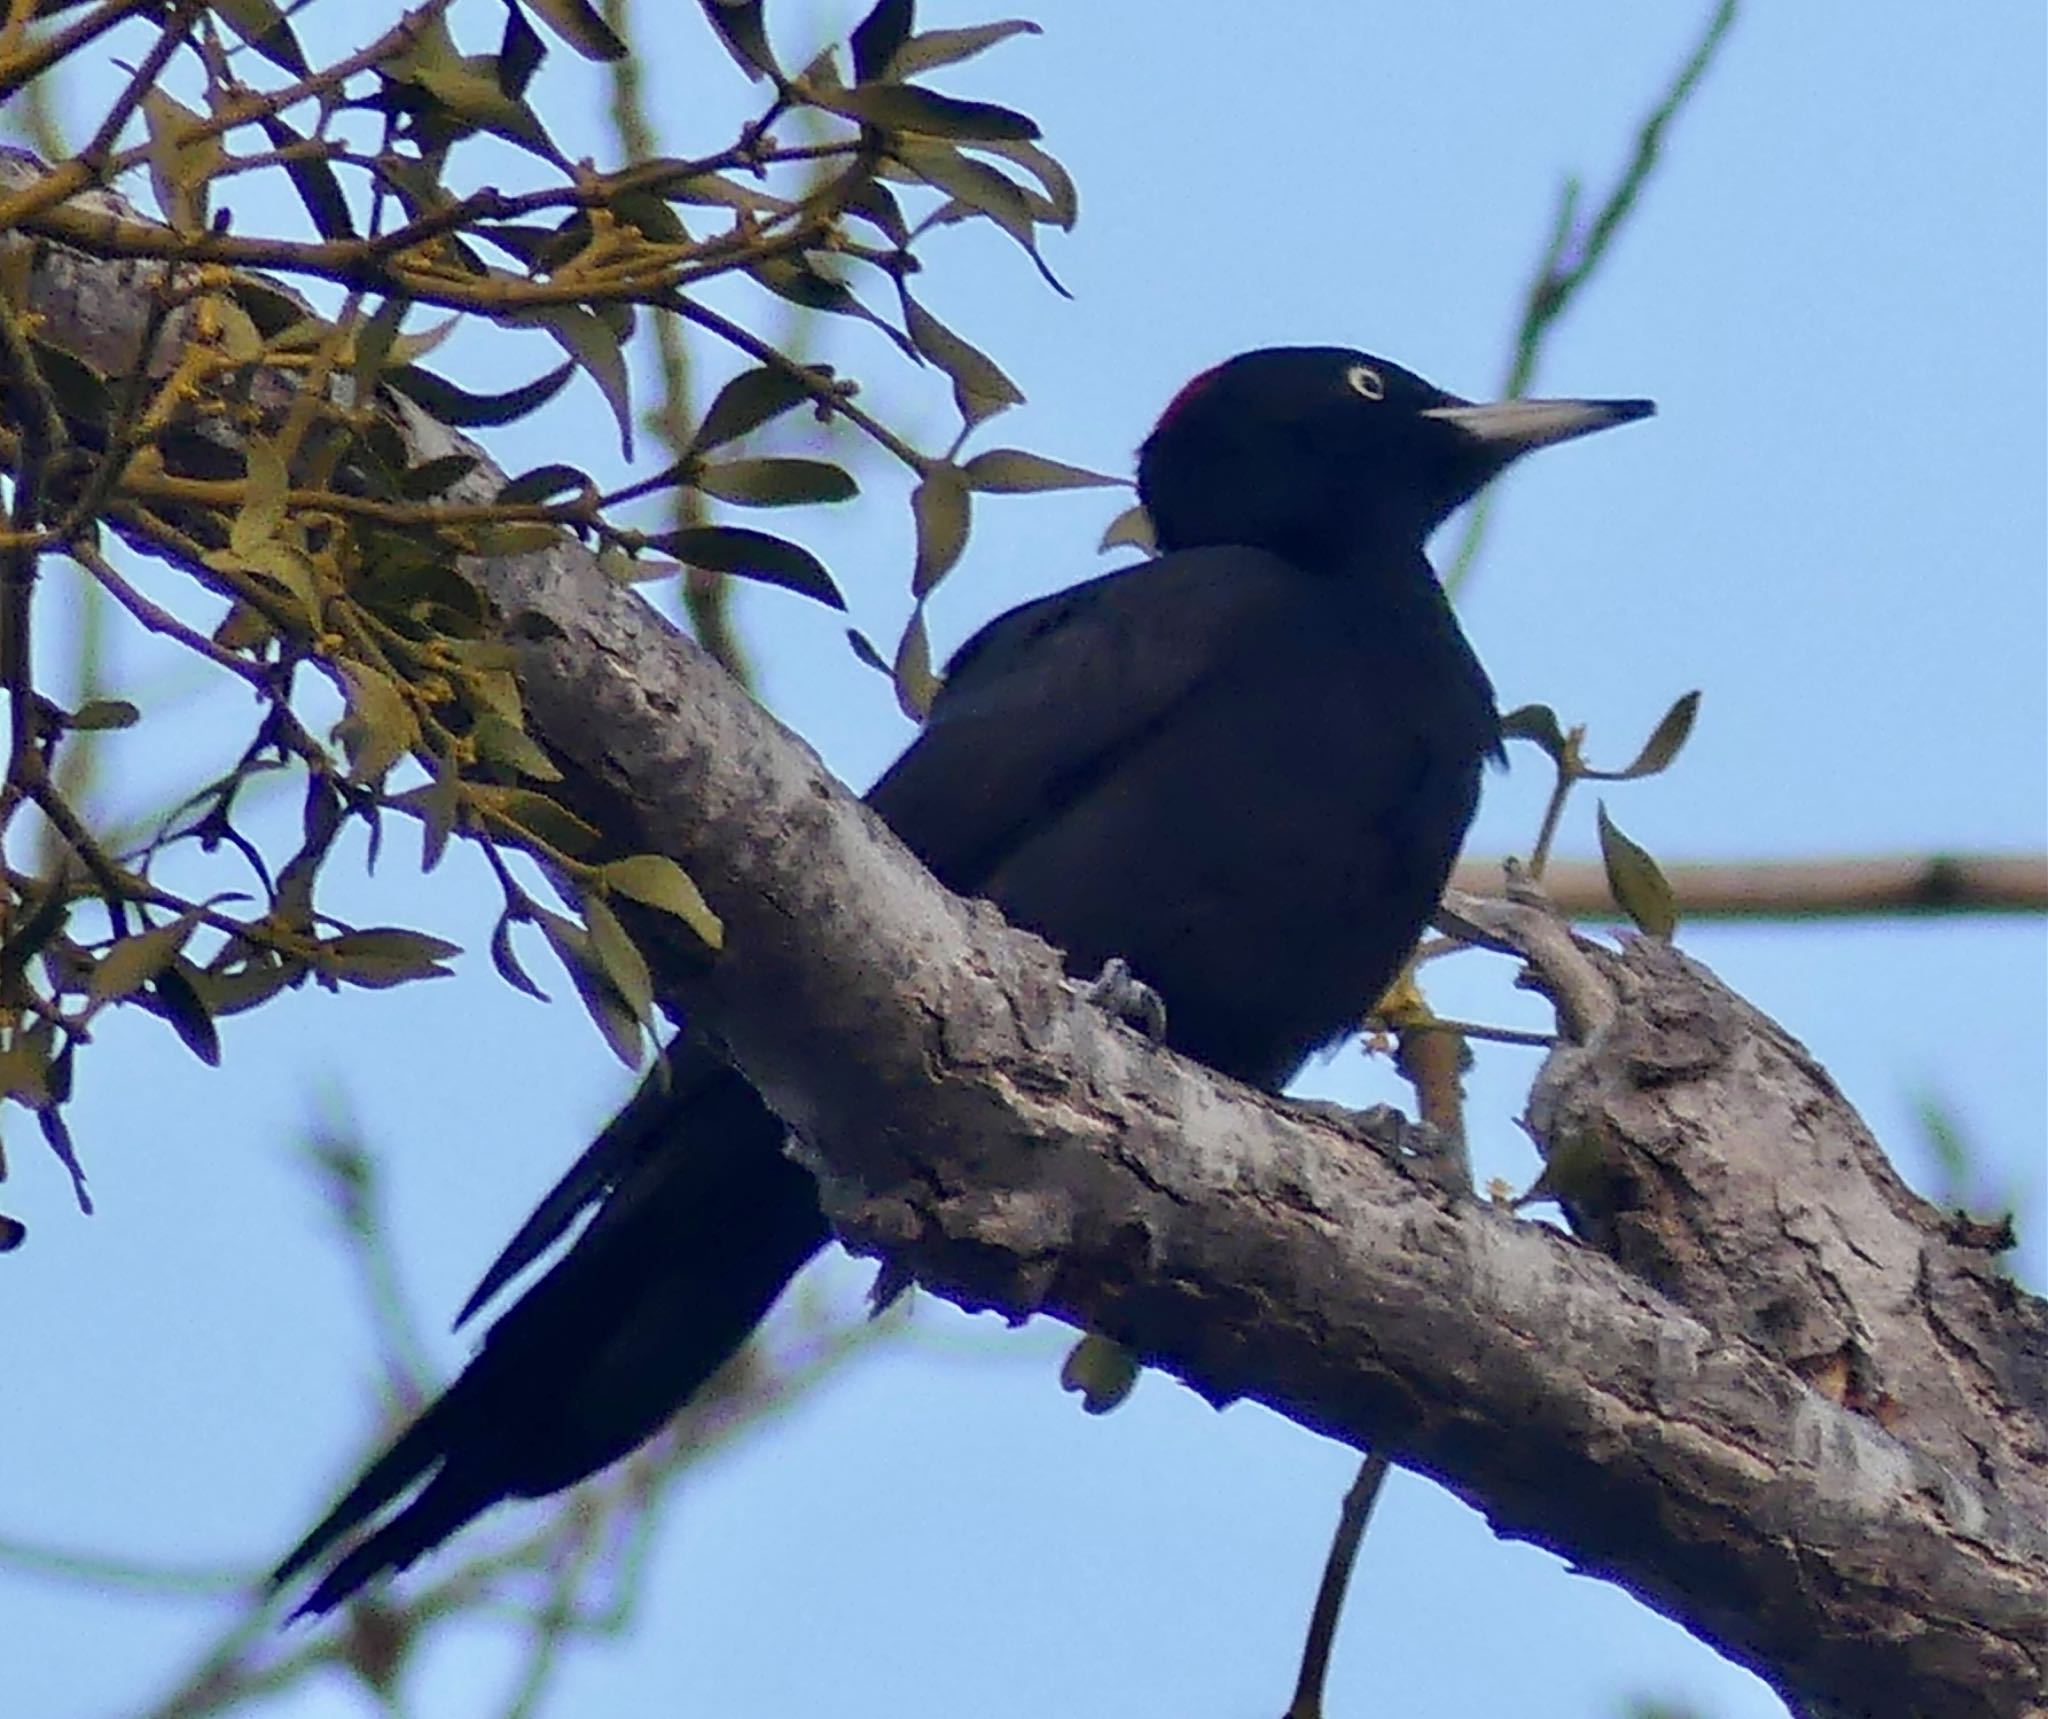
[1321, 453]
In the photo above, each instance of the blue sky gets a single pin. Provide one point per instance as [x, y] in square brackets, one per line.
[1835, 528]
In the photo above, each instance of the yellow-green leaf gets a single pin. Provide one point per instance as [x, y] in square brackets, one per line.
[1537, 724]
[133, 961]
[1131, 529]
[571, 944]
[1100, 1371]
[775, 482]
[510, 747]
[180, 164]
[916, 685]
[380, 727]
[104, 713]
[941, 510]
[1012, 471]
[579, 24]
[593, 343]
[534, 815]
[980, 389]
[1670, 734]
[262, 510]
[1638, 883]
[624, 966]
[657, 881]
[909, 108]
[747, 402]
[384, 956]
[935, 48]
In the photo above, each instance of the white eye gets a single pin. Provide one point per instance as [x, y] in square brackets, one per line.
[1363, 379]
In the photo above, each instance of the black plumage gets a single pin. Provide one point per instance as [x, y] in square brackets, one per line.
[1244, 767]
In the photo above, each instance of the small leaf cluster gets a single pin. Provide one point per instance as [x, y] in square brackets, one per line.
[1638, 883]
[261, 449]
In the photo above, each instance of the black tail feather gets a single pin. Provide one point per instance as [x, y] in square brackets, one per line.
[441, 1508]
[690, 1248]
[640, 1129]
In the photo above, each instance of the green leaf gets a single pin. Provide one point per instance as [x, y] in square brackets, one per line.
[1638, 883]
[379, 728]
[383, 956]
[180, 163]
[590, 340]
[864, 651]
[469, 91]
[456, 406]
[974, 184]
[916, 685]
[261, 514]
[514, 537]
[317, 184]
[375, 342]
[545, 484]
[174, 997]
[506, 959]
[263, 27]
[1012, 471]
[104, 713]
[796, 280]
[877, 37]
[625, 968]
[910, 108]
[941, 509]
[1062, 201]
[1100, 1371]
[534, 815]
[775, 482]
[739, 27]
[580, 25]
[657, 881]
[747, 402]
[438, 806]
[294, 574]
[1664, 744]
[1130, 529]
[520, 52]
[875, 203]
[508, 746]
[1537, 724]
[752, 555]
[240, 977]
[980, 389]
[436, 477]
[133, 961]
[618, 1023]
[935, 48]
[25, 1071]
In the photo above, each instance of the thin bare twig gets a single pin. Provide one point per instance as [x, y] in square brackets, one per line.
[1574, 254]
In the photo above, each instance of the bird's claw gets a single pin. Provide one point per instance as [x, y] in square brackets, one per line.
[1129, 999]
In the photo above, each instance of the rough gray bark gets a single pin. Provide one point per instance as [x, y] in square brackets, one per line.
[1796, 1409]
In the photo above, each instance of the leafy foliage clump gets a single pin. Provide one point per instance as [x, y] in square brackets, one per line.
[260, 449]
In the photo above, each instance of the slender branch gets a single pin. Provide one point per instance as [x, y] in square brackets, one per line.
[1861, 886]
[1567, 266]
[1322, 1628]
[20, 69]
[102, 1571]
[140, 82]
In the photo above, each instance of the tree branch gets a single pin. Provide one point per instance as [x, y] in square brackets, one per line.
[1855, 886]
[1827, 1459]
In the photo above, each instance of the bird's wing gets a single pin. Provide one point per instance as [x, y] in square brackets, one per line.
[1044, 702]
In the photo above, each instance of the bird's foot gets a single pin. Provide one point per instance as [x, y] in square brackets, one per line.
[1127, 997]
